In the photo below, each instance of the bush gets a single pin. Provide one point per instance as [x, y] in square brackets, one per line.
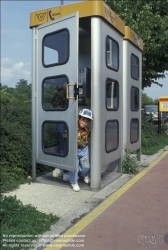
[129, 165]
[151, 141]
[15, 132]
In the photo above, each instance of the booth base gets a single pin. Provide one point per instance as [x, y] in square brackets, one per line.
[48, 179]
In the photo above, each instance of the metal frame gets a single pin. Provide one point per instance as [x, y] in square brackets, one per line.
[39, 115]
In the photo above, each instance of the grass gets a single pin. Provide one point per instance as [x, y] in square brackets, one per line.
[161, 143]
[23, 223]
[152, 142]
[11, 180]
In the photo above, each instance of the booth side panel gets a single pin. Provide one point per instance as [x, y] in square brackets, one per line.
[106, 141]
[131, 97]
[140, 105]
[111, 108]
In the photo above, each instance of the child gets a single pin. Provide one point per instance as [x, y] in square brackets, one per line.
[85, 116]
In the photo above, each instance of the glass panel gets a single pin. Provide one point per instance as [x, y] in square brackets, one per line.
[54, 93]
[112, 54]
[56, 48]
[112, 94]
[134, 99]
[55, 137]
[134, 130]
[112, 136]
[50, 56]
[134, 67]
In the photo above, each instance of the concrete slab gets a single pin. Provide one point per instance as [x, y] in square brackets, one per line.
[57, 200]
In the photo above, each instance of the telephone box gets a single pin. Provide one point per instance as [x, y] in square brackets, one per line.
[78, 53]
[163, 103]
[132, 58]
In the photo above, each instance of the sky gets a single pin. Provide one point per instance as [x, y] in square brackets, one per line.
[16, 43]
[16, 38]
[156, 91]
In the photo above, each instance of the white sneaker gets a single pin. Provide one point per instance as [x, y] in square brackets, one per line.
[57, 172]
[75, 187]
[87, 179]
[66, 177]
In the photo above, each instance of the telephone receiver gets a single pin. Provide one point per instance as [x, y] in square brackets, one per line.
[51, 15]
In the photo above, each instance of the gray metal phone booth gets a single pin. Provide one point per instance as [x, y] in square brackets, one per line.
[93, 45]
[132, 71]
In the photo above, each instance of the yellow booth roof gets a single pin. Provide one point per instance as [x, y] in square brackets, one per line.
[133, 37]
[85, 9]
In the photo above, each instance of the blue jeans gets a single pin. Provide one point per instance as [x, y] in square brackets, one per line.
[83, 165]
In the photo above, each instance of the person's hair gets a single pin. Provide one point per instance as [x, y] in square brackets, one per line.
[80, 116]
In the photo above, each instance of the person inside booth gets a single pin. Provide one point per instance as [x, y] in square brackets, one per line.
[84, 118]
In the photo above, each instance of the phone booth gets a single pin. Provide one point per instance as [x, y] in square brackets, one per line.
[77, 54]
[132, 71]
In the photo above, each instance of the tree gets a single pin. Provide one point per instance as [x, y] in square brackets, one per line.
[149, 20]
[146, 100]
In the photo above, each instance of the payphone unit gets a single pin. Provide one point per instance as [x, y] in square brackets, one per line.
[84, 85]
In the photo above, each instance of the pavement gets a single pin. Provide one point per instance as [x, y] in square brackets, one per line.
[56, 197]
[135, 217]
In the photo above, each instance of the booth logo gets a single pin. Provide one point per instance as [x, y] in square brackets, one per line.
[41, 16]
[52, 15]
[108, 14]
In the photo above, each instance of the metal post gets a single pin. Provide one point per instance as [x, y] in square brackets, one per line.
[62, 2]
[120, 165]
[139, 154]
[95, 103]
[33, 104]
[159, 121]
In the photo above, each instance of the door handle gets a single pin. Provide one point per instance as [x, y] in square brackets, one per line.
[76, 91]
